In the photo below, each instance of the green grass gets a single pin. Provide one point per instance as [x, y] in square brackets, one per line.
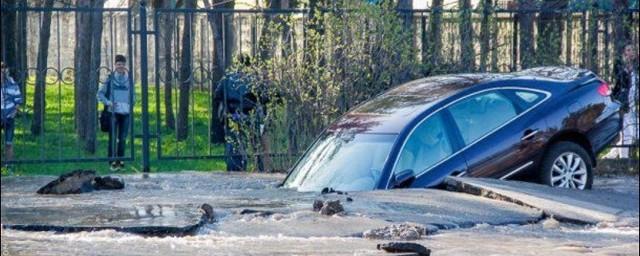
[59, 141]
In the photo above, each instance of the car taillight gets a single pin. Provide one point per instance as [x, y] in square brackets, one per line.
[604, 90]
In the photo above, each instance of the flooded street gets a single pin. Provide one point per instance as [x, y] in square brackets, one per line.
[254, 217]
[480, 240]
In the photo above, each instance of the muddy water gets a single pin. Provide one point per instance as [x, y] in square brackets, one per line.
[292, 228]
[479, 240]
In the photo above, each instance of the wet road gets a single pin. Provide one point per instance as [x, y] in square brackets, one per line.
[292, 228]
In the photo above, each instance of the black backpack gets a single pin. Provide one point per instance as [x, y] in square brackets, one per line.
[105, 115]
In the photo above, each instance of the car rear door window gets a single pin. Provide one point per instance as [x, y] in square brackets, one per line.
[480, 114]
[427, 145]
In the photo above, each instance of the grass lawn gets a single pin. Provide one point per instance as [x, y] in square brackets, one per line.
[59, 141]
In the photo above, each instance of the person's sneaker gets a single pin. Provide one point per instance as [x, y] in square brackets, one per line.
[114, 167]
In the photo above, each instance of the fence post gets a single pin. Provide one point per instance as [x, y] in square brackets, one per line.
[144, 83]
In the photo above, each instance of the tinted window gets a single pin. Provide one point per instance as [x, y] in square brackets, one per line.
[346, 162]
[426, 146]
[480, 114]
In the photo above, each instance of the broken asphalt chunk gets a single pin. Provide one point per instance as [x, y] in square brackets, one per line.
[398, 247]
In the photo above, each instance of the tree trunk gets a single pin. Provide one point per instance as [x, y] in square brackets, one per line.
[313, 57]
[622, 26]
[404, 8]
[229, 34]
[268, 38]
[583, 39]
[92, 103]
[170, 120]
[550, 31]
[9, 52]
[215, 21]
[484, 34]
[592, 43]
[265, 43]
[494, 42]
[527, 48]
[287, 37]
[82, 67]
[569, 39]
[220, 64]
[338, 60]
[185, 74]
[435, 34]
[313, 31]
[39, 100]
[467, 53]
[86, 64]
[21, 47]
[166, 24]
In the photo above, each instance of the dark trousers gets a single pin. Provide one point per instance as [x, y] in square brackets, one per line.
[8, 129]
[235, 154]
[119, 130]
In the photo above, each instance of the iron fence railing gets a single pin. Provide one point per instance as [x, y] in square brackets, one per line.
[215, 37]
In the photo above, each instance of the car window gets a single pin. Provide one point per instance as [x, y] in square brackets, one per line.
[426, 146]
[529, 98]
[481, 114]
[345, 162]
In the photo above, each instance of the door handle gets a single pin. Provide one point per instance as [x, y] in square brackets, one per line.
[459, 173]
[529, 134]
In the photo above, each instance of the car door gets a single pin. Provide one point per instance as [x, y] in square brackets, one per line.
[430, 152]
[500, 132]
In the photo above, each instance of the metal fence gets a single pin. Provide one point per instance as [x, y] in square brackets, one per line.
[57, 139]
[178, 56]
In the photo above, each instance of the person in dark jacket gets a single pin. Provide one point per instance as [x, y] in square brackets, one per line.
[117, 94]
[242, 102]
[623, 71]
[626, 92]
[234, 108]
[11, 101]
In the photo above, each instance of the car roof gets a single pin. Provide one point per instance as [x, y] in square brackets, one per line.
[392, 110]
[554, 73]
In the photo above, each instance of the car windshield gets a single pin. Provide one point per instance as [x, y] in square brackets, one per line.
[343, 162]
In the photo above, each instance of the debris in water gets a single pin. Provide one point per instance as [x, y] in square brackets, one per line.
[78, 181]
[208, 215]
[81, 181]
[108, 183]
[331, 190]
[404, 231]
[317, 205]
[398, 247]
[329, 207]
[550, 223]
[257, 213]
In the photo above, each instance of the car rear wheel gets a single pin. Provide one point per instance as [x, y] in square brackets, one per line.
[567, 165]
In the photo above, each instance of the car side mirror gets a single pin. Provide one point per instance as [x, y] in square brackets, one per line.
[403, 179]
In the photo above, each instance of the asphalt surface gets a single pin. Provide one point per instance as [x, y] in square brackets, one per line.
[590, 206]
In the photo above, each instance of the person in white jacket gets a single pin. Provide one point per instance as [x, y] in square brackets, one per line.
[626, 92]
[117, 95]
[11, 101]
